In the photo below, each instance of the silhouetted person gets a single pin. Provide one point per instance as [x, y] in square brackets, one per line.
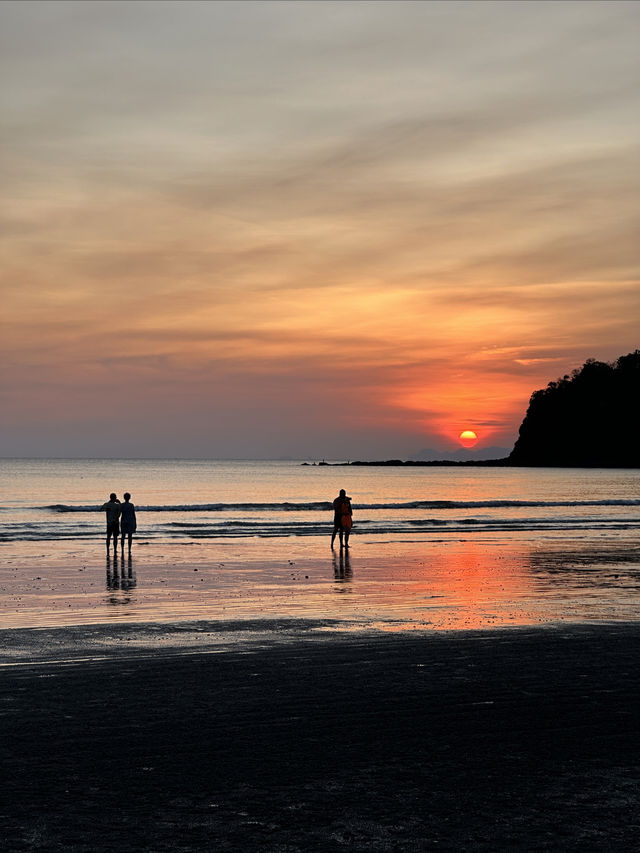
[112, 509]
[342, 519]
[128, 524]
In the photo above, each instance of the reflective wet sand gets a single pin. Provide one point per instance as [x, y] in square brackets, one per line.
[482, 582]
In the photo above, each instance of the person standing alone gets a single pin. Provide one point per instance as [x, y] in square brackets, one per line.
[342, 519]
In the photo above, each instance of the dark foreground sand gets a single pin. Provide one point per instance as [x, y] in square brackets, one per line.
[505, 740]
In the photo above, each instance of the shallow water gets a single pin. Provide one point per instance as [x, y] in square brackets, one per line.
[193, 500]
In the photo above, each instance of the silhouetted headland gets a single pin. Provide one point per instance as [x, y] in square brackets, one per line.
[585, 420]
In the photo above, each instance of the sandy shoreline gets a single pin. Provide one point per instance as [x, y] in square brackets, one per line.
[521, 739]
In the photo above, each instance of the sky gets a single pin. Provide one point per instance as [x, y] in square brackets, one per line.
[341, 230]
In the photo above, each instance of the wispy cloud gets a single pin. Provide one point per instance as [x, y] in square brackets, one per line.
[396, 217]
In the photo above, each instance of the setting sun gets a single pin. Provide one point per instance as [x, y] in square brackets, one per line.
[468, 438]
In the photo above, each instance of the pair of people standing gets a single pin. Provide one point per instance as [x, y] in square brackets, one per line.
[121, 518]
[342, 519]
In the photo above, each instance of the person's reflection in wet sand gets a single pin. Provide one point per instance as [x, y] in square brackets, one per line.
[124, 580]
[128, 579]
[113, 579]
[342, 566]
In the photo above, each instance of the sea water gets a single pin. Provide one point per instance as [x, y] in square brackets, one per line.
[194, 500]
[424, 539]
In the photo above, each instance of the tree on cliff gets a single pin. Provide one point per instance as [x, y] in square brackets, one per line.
[587, 419]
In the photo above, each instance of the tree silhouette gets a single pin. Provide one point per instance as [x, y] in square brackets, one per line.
[588, 419]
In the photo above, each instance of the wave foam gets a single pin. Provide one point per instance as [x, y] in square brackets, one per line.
[325, 506]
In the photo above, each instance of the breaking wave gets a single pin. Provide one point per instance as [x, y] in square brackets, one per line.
[324, 506]
[283, 527]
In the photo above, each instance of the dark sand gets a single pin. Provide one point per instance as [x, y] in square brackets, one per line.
[522, 739]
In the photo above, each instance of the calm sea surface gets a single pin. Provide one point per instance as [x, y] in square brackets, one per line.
[446, 547]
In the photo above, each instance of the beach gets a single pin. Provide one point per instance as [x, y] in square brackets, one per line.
[295, 740]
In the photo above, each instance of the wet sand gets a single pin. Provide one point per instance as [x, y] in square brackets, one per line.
[473, 584]
[296, 739]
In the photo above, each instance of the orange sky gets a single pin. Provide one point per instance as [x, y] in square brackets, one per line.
[340, 230]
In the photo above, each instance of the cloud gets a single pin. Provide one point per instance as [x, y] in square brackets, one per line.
[384, 216]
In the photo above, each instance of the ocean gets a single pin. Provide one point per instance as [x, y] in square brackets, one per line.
[530, 544]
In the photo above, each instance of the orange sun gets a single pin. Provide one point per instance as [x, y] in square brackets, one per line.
[468, 438]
